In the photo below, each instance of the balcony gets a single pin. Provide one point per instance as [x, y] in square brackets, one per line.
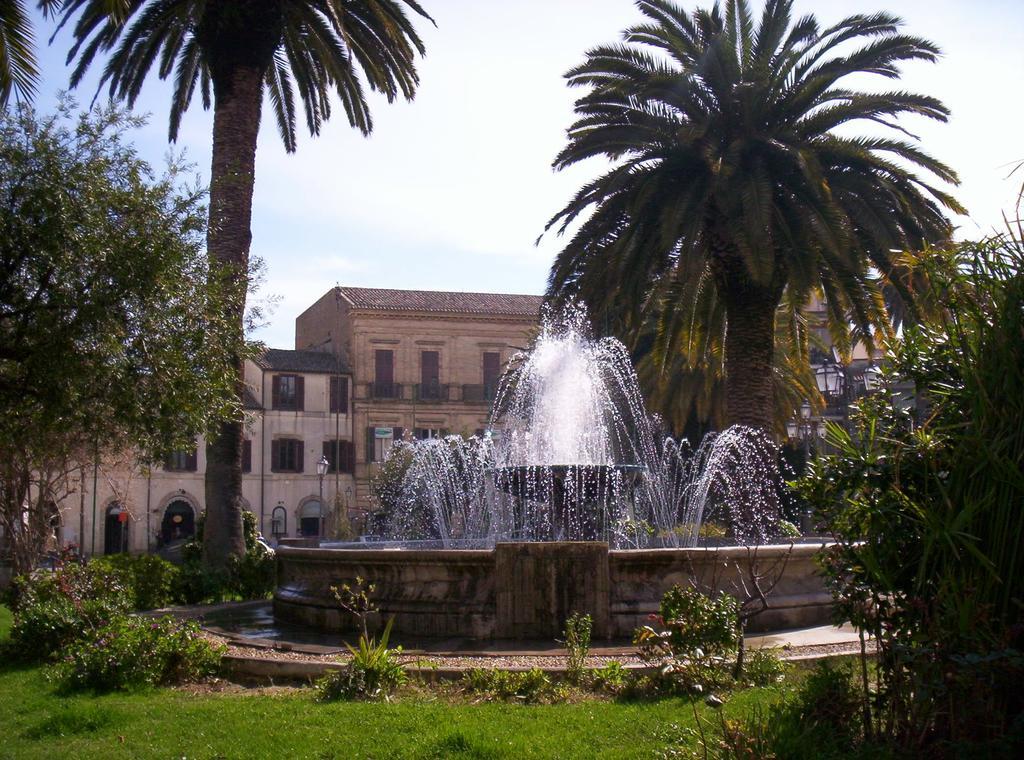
[385, 391]
[432, 392]
[479, 394]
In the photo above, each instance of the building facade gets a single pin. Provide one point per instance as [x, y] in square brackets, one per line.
[423, 363]
[370, 366]
[298, 410]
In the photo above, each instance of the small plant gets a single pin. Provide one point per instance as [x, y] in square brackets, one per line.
[356, 600]
[137, 651]
[611, 677]
[764, 667]
[374, 671]
[577, 645]
[530, 686]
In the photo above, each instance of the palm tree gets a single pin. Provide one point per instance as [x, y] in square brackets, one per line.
[736, 179]
[234, 53]
[19, 74]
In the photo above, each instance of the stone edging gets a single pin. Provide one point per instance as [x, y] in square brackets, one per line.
[284, 669]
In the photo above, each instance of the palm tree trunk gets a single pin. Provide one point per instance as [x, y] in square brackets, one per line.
[749, 334]
[749, 359]
[236, 122]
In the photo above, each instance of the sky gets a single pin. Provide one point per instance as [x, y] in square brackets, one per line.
[451, 191]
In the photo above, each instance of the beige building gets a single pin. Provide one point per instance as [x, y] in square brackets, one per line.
[370, 366]
[423, 363]
[298, 410]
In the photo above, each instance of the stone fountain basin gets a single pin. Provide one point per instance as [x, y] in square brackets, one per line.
[526, 590]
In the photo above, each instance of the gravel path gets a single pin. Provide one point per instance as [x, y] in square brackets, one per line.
[553, 659]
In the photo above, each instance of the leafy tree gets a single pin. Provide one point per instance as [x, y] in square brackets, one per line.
[737, 180]
[235, 53]
[927, 512]
[107, 339]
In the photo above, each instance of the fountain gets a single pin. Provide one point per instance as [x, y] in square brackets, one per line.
[572, 501]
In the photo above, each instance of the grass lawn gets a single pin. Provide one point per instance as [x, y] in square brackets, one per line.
[38, 723]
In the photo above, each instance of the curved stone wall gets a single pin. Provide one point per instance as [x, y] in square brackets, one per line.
[526, 590]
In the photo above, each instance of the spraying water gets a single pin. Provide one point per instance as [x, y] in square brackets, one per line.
[572, 454]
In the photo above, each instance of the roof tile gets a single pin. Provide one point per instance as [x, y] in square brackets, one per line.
[498, 304]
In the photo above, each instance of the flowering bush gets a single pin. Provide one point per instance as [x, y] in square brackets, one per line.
[138, 651]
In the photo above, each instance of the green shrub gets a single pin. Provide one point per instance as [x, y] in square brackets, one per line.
[763, 667]
[372, 673]
[154, 582]
[53, 608]
[528, 686]
[577, 645]
[138, 651]
[695, 636]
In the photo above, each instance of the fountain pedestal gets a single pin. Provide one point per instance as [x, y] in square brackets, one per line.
[539, 585]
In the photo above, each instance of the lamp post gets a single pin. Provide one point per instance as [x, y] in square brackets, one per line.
[321, 470]
[872, 378]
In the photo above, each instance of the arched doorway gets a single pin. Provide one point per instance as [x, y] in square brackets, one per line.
[55, 529]
[311, 519]
[115, 536]
[179, 522]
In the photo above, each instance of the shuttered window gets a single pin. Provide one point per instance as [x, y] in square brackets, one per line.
[181, 461]
[492, 373]
[288, 393]
[340, 454]
[286, 455]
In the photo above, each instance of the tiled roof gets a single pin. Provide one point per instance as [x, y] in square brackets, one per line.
[498, 304]
[249, 400]
[284, 360]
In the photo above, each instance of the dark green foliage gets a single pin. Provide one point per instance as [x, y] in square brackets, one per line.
[54, 608]
[927, 506]
[152, 581]
[135, 651]
[301, 48]
[373, 672]
[251, 576]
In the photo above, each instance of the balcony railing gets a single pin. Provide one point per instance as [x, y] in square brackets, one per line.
[479, 394]
[379, 391]
[432, 392]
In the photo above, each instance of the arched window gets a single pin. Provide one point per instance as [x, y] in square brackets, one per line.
[311, 518]
[179, 522]
[279, 522]
[116, 530]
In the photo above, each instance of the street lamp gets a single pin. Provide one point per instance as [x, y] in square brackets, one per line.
[872, 378]
[830, 378]
[321, 470]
